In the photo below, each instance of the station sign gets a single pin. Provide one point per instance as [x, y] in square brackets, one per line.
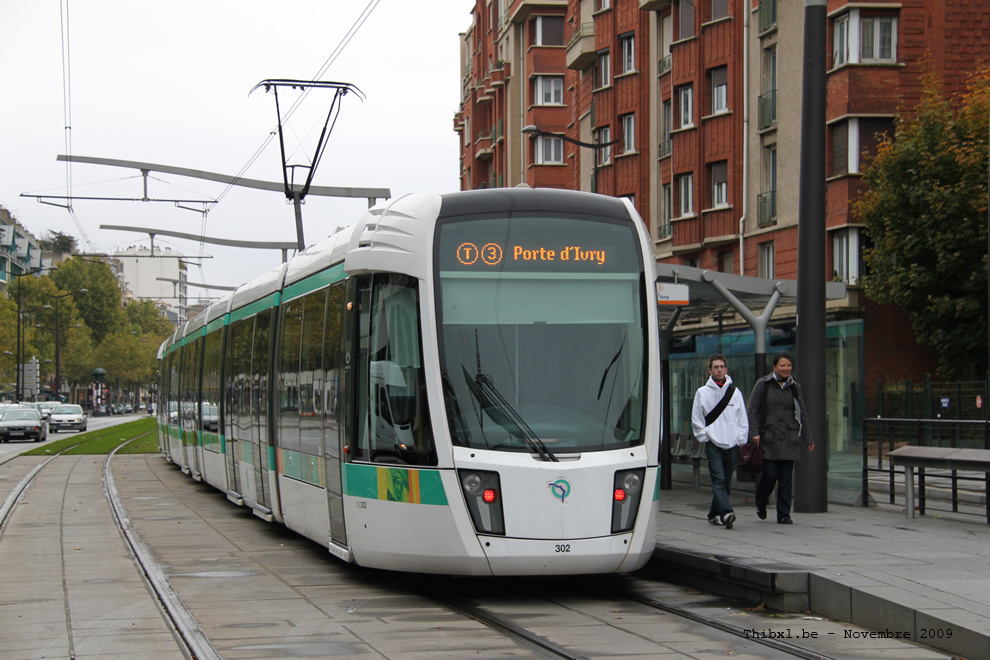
[672, 294]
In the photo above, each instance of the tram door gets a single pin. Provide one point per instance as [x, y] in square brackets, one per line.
[350, 400]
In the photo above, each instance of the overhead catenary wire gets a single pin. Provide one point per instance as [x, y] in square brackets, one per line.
[345, 40]
[67, 112]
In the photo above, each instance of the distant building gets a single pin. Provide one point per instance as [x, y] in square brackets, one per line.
[20, 251]
[160, 278]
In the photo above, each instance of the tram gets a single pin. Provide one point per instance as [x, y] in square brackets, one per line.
[461, 384]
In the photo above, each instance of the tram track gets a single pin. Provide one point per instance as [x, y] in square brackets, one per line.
[189, 638]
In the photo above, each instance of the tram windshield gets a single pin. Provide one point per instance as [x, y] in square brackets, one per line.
[542, 333]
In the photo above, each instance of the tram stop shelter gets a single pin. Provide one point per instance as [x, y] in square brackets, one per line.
[710, 293]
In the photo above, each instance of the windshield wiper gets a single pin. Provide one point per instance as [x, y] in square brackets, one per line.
[501, 411]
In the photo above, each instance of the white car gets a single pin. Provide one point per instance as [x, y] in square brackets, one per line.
[67, 416]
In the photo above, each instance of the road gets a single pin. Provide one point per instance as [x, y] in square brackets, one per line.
[10, 449]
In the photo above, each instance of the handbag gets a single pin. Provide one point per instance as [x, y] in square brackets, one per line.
[751, 457]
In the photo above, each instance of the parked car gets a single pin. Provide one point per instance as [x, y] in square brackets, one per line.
[23, 424]
[68, 416]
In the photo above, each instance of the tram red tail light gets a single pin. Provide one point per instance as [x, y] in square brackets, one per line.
[627, 489]
[482, 494]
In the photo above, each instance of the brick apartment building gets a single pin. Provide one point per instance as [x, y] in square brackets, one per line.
[702, 99]
[692, 109]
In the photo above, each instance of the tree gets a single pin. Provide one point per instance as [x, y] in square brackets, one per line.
[101, 306]
[925, 211]
[56, 241]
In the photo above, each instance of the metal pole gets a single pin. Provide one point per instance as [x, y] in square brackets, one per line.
[20, 379]
[58, 363]
[811, 473]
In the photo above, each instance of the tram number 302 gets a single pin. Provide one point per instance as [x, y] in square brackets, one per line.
[562, 547]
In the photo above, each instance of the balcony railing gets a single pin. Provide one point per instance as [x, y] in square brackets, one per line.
[665, 148]
[664, 64]
[767, 109]
[768, 14]
[766, 209]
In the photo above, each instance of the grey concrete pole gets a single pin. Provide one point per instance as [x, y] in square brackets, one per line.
[811, 472]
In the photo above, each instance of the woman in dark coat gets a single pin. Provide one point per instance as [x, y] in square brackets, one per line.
[778, 420]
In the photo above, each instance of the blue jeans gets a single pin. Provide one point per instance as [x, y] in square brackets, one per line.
[721, 464]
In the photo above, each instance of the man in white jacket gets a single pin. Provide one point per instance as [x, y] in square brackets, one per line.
[719, 420]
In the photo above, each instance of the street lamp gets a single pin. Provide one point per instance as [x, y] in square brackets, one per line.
[530, 129]
[58, 362]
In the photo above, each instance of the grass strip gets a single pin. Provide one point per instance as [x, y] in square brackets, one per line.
[104, 440]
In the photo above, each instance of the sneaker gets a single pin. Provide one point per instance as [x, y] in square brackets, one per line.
[728, 519]
[714, 521]
[785, 521]
[761, 512]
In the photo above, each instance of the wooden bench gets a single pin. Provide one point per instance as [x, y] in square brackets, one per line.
[686, 449]
[946, 458]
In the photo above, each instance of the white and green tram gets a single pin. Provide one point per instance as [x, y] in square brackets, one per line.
[465, 383]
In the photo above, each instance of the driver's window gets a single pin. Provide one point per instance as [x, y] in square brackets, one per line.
[398, 429]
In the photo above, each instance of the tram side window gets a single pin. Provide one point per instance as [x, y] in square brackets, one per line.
[311, 374]
[399, 428]
[238, 379]
[189, 403]
[333, 375]
[259, 376]
[173, 388]
[288, 361]
[210, 412]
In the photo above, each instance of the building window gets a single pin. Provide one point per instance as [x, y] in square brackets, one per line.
[666, 125]
[872, 130]
[685, 190]
[766, 202]
[666, 211]
[604, 70]
[720, 9]
[602, 4]
[629, 134]
[549, 150]
[846, 256]
[604, 153]
[628, 43]
[548, 31]
[720, 89]
[857, 38]
[840, 41]
[764, 259]
[685, 96]
[878, 39]
[840, 148]
[720, 184]
[725, 262]
[548, 90]
[685, 18]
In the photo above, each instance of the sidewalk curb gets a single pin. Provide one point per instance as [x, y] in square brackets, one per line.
[852, 598]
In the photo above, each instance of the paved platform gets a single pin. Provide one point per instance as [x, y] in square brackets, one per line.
[929, 576]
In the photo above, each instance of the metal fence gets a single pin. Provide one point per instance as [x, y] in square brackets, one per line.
[927, 414]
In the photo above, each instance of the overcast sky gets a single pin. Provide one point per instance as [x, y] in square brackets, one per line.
[168, 83]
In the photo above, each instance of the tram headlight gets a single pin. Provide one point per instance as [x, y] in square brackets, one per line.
[627, 488]
[483, 496]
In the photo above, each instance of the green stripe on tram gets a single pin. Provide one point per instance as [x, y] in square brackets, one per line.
[216, 324]
[314, 282]
[391, 484]
[253, 308]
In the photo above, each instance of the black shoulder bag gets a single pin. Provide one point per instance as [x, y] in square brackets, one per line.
[716, 412]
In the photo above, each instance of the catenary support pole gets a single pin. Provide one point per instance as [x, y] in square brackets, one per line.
[811, 472]
[666, 334]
